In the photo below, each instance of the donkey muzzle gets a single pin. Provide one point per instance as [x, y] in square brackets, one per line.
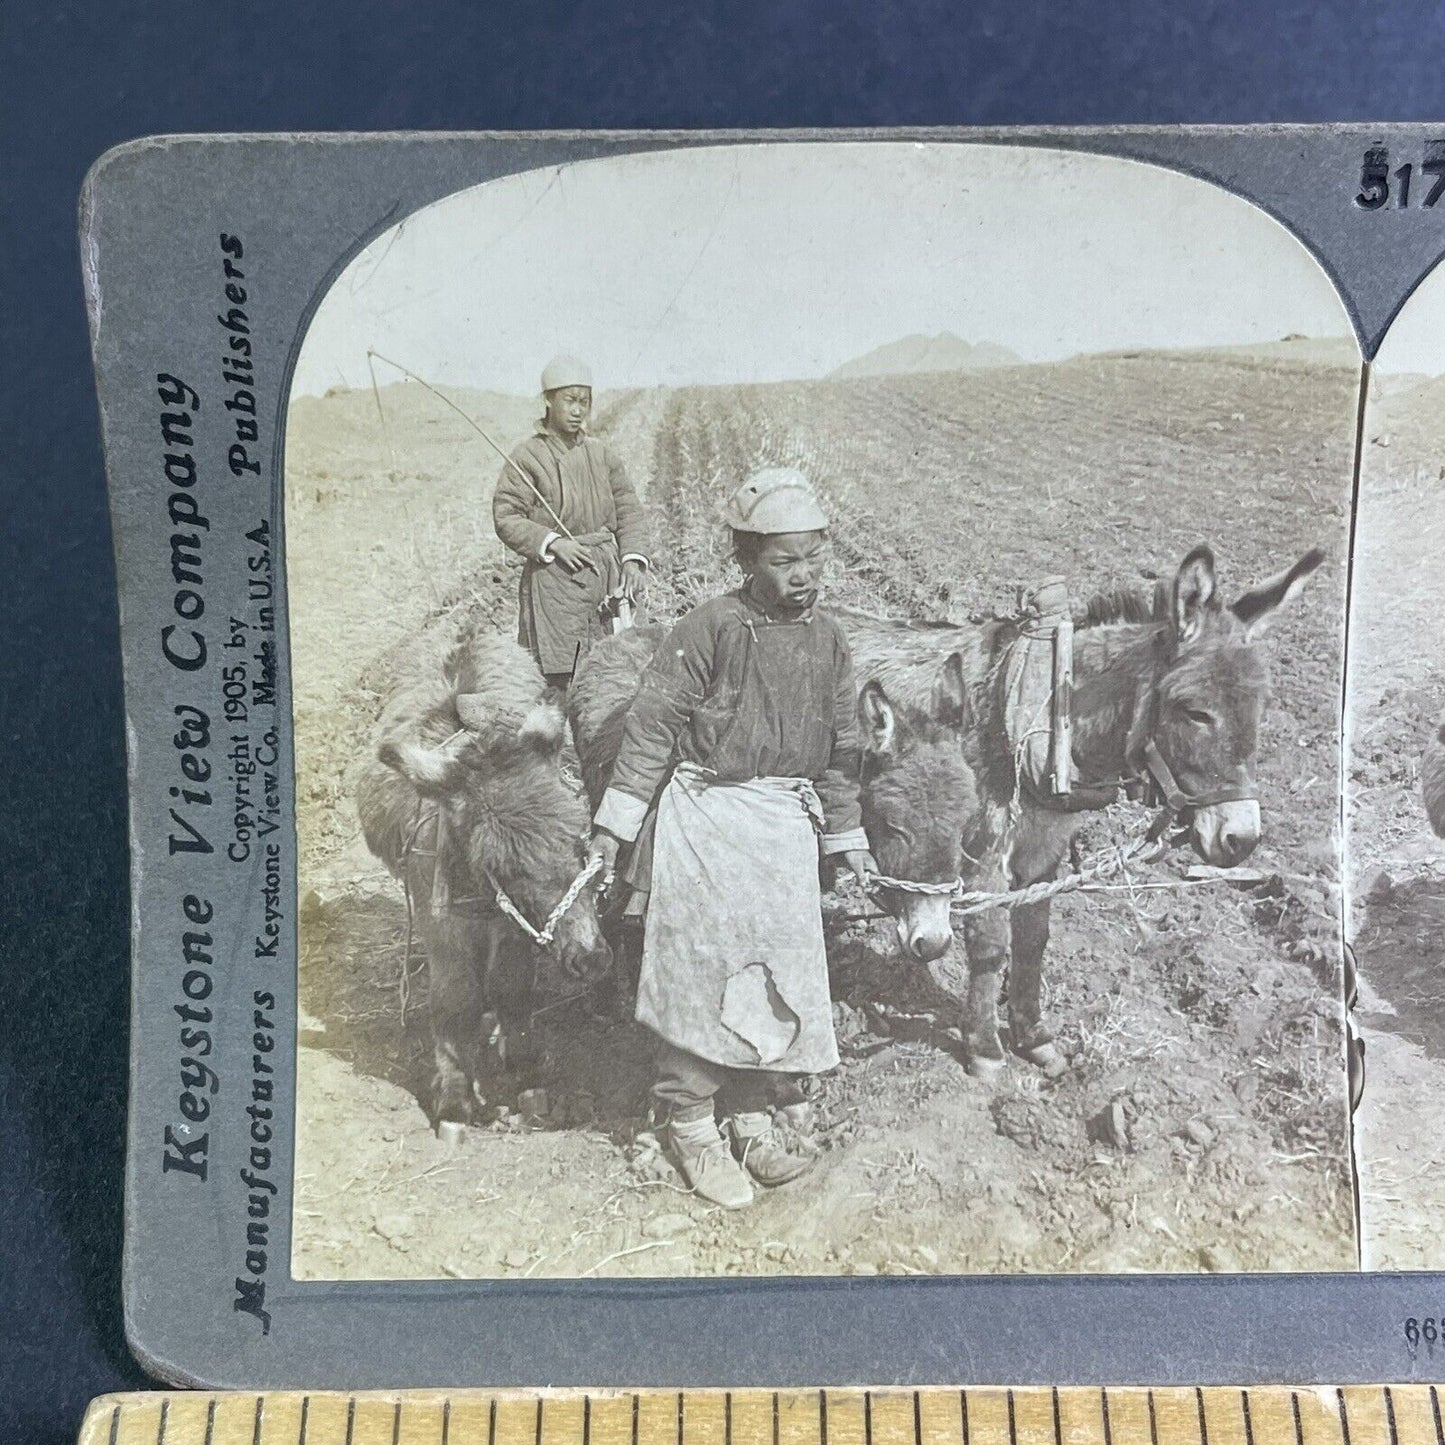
[1224, 834]
[924, 926]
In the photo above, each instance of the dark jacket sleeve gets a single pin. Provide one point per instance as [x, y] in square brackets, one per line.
[513, 504]
[838, 787]
[673, 686]
[633, 532]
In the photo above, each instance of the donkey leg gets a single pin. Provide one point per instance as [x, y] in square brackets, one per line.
[1027, 1031]
[985, 940]
[511, 983]
[456, 1013]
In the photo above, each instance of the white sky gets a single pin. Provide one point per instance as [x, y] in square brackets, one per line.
[1416, 338]
[782, 261]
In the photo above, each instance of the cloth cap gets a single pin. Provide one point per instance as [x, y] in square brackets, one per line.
[775, 500]
[565, 371]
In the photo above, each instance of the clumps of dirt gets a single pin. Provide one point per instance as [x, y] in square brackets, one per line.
[1034, 1121]
[1387, 749]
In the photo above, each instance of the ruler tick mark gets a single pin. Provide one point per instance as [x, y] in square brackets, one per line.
[305, 1417]
[396, 1425]
[681, 1414]
[727, 1417]
[1435, 1408]
[917, 1419]
[1248, 1418]
[1344, 1417]
[446, 1421]
[115, 1425]
[260, 1416]
[1013, 1434]
[587, 1420]
[867, 1417]
[210, 1422]
[1390, 1416]
[492, 1422]
[1199, 1406]
[636, 1410]
[539, 1420]
[165, 1416]
[1058, 1426]
[1153, 1421]
[823, 1419]
[350, 1419]
[1104, 1402]
[776, 1422]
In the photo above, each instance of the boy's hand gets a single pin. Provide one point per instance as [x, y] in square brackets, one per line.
[604, 846]
[860, 860]
[572, 555]
[632, 580]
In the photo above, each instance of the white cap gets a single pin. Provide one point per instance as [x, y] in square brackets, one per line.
[772, 501]
[565, 371]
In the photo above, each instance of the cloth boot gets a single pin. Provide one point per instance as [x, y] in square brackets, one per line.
[762, 1152]
[701, 1156]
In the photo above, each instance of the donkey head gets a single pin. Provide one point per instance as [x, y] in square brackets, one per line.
[919, 799]
[1210, 700]
[511, 815]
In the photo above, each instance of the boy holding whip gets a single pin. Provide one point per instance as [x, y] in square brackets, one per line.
[564, 503]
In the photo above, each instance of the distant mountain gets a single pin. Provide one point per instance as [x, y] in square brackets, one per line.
[944, 352]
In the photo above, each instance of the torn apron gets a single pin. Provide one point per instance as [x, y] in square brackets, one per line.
[733, 964]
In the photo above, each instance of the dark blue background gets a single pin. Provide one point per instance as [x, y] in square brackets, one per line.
[80, 78]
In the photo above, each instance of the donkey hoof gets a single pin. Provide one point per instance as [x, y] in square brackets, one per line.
[985, 1068]
[1048, 1059]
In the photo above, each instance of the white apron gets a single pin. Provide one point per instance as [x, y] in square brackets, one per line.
[733, 966]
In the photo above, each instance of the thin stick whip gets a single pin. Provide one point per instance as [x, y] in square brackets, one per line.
[481, 432]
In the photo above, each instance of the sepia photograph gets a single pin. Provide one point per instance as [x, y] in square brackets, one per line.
[1395, 792]
[817, 676]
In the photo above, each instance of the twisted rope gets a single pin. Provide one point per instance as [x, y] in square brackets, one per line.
[1143, 848]
[543, 936]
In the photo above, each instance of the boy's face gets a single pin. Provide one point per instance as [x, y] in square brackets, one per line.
[787, 570]
[568, 408]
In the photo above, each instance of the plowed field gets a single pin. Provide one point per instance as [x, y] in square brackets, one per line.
[1212, 1016]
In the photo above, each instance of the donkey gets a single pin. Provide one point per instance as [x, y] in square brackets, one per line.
[463, 797]
[920, 802]
[1169, 690]
[1432, 780]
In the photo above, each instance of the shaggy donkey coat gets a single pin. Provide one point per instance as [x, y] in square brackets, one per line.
[458, 804]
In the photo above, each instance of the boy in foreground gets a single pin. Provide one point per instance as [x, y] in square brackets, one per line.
[746, 724]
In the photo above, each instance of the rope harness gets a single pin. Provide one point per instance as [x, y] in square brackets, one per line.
[442, 902]
[1145, 847]
[1152, 781]
[544, 935]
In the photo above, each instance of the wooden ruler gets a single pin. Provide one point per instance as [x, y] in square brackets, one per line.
[1035, 1415]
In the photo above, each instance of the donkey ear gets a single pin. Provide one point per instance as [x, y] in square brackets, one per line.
[951, 691]
[1193, 593]
[880, 723]
[433, 772]
[1257, 607]
[542, 728]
